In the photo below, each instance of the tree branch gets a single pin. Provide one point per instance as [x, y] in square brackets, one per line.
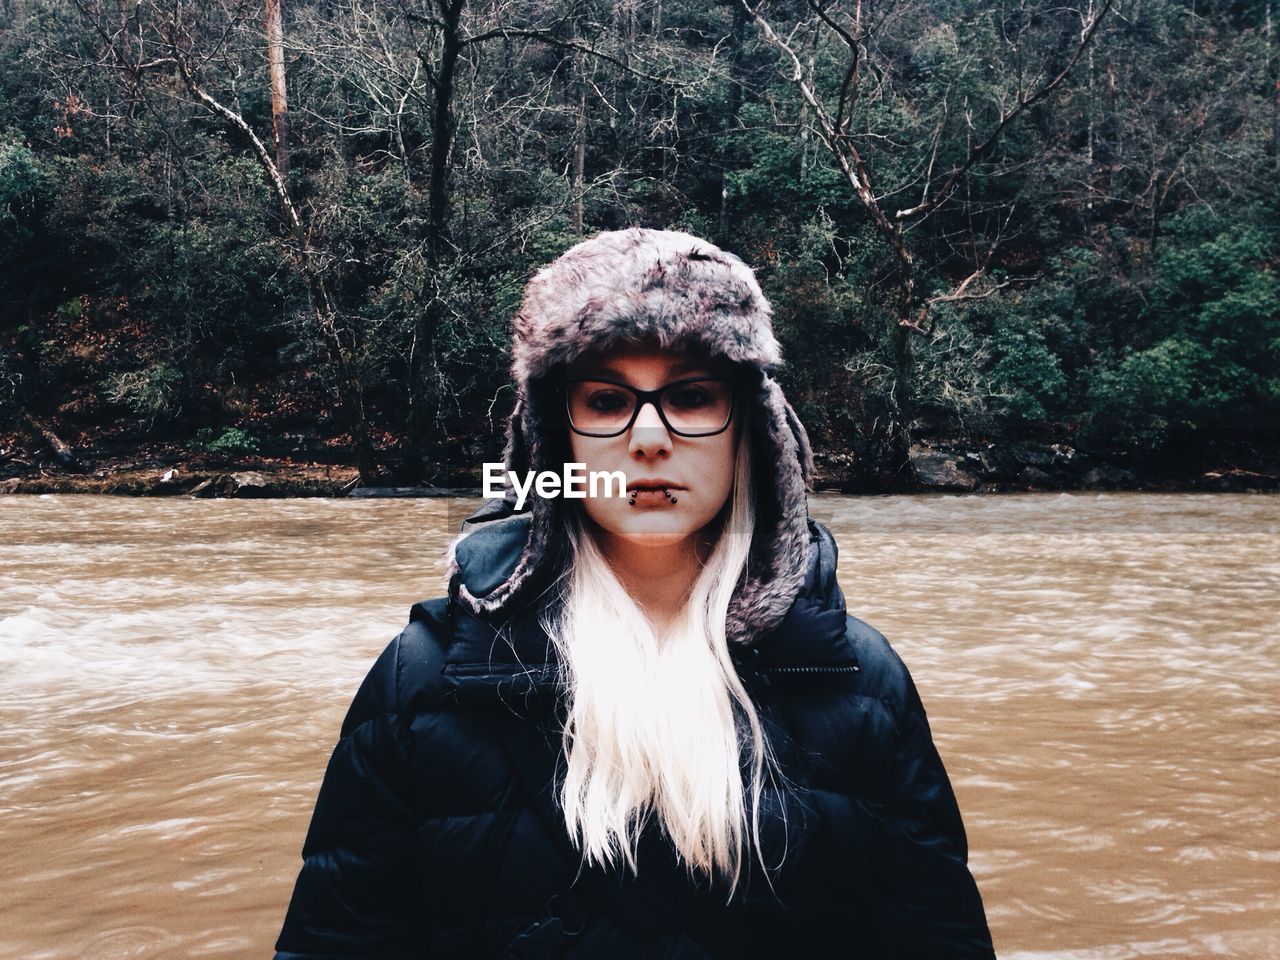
[1024, 102]
[547, 37]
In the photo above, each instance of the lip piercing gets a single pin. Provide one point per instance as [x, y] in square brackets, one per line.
[665, 492]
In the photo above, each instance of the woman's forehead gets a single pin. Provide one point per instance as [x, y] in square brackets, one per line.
[625, 358]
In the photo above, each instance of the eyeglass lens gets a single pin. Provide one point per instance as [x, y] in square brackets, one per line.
[693, 407]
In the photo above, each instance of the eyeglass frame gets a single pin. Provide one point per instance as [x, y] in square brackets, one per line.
[649, 396]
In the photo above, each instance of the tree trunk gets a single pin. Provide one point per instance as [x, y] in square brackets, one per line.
[1273, 63]
[422, 403]
[61, 449]
[1089, 132]
[727, 153]
[279, 98]
[804, 117]
[442, 125]
[579, 157]
[899, 433]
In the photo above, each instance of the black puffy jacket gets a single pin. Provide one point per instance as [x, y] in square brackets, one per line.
[435, 833]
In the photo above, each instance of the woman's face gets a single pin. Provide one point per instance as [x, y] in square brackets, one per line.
[697, 471]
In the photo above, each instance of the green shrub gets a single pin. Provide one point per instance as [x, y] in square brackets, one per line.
[24, 181]
[1027, 375]
[949, 382]
[1210, 365]
[1149, 397]
[232, 441]
[71, 310]
[148, 392]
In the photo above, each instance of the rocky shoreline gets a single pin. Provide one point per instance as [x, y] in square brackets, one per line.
[934, 468]
[991, 468]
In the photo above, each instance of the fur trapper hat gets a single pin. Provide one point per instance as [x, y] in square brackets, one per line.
[682, 292]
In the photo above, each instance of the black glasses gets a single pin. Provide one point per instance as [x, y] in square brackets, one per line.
[697, 407]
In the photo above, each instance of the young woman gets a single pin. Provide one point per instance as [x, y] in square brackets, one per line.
[640, 725]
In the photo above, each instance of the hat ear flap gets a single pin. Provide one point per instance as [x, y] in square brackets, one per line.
[803, 450]
[516, 455]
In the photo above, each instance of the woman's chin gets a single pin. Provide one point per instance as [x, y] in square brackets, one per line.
[652, 531]
[654, 540]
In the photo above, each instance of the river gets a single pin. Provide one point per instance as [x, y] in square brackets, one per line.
[1101, 672]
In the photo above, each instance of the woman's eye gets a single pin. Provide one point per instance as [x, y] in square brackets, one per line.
[690, 398]
[607, 400]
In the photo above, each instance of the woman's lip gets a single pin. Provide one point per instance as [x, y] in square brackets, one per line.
[641, 495]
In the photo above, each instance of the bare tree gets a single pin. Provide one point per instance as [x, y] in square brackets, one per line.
[171, 48]
[912, 310]
[279, 96]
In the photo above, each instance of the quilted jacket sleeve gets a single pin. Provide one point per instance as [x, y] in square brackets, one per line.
[357, 892]
[929, 905]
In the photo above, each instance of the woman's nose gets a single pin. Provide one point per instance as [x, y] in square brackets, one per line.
[649, 433]
[648, 416]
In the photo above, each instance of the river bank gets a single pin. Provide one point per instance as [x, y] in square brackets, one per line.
[165, 471]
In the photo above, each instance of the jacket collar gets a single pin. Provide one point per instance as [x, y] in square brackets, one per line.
[513, 653]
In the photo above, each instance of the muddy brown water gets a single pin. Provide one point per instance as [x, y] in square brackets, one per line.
[1102, 673]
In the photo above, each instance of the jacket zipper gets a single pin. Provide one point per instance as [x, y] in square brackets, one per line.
[763, 678]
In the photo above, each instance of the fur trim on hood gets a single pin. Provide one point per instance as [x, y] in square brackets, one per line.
[682, 292]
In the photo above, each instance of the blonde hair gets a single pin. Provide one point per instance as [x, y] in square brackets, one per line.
[656, 725]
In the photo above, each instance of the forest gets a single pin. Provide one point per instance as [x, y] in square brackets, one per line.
[1010, 244]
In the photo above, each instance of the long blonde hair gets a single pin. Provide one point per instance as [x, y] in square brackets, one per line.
[656, 725]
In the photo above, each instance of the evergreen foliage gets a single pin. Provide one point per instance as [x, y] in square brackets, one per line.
[1130, 300]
